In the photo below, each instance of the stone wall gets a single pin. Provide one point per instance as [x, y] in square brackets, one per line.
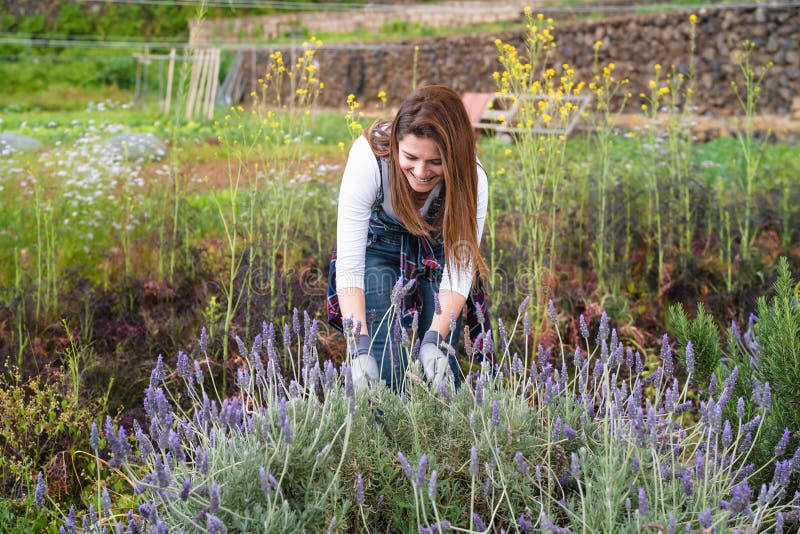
[634, 43]
[370, 17]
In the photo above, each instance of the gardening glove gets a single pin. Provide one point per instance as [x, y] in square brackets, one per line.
[434, 360]
[364, 368]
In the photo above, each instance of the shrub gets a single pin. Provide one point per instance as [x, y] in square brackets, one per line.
[599, 447]
[763, 362]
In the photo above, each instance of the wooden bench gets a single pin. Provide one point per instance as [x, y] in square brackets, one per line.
[498, 113]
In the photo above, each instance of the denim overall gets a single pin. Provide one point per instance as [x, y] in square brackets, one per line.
[393, 252]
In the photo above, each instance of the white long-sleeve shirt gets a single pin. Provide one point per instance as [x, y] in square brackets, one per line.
[359, 189]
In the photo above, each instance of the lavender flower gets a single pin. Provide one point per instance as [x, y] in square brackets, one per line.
[473, 462]
[433, 485]
[705, 519]
[524, 524]
[780, 447]
[523, 305]
[635, 465]
[666, 356]
[479, 524]
[522, 465]
[360, 490]
[584, 328]
[184, 371]
[741, 495]
[268, 482]
[551, 311]
[422, 470]
[106, 500]
[575, 466]
[740, 408]
[479, 391]
[214, 525]
[727, 437]
[639, 364]
[407, 469]
[526, 324]
[436, 528]
[186, 489]
[94, 438]
[688, 483]
[603, 330]
[643, 506]
[41, 490]
[198, 372]
[495, 414]
[445, 393]
[349, 388]
[689, 357]
[157, 374]
[204, 340]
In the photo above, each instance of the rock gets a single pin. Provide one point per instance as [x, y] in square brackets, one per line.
[136, 146]
[11, 142]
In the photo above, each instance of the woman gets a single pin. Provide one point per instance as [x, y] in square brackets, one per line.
[411, 207]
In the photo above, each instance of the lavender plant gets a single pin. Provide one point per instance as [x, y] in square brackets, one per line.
[576, 440]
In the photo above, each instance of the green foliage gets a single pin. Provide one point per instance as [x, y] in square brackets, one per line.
[20, 515]
[703, 333]
[39, 418]
[778, 336]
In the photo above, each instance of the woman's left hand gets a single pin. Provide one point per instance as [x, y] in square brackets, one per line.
[434, 360]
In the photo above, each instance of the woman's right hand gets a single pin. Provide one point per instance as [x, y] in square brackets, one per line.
[363, 367]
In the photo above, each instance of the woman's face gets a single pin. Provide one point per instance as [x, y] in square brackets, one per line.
[420, 162]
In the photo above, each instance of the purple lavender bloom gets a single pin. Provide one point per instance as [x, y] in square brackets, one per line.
[603, 330]
[741, 496]
[287, 336]
[436, 528]
[186, 489]
[568, 432]
[584, 328]
[783, 473]
[157, 374]
[727, 437]
[639, 364]
[629, 358]
[422, 471]
[184, 371]
[106, 500]
[762, 395]
[551, 312]
[523, 305]
[479, 524]
[526, 324]
[41, 490]
[524, 524]
[69, 521]
[575, 466]
[360, 490]
[495, 414]
[198, 372]
[473, 462]
[671, 527]
[488, 343]
[635, 465]
[712, 385]
[94, 438]
[689, 357]
[643, 506]
[778, 523]
[203, 339]
[380, 502]
[479, 391]
[740, 408]
[522, 465]
[407, 469]
[296, 322]
[666, 356]
[780, 448]
[214, 525]
[349, 388]
[240, 346]
[688, 483]
[433, 485]
[487, 486]
[445, 393]
[705, 519]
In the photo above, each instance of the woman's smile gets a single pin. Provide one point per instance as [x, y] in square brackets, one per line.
[420, 162]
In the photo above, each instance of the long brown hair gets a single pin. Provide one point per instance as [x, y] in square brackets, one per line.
[436, 112]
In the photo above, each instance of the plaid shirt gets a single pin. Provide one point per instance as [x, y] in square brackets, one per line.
[417, 262]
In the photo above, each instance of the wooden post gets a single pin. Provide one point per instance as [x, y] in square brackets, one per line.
[170, 74]
[197, 65]
[212, 93]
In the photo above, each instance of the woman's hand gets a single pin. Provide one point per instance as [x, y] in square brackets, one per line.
[434, 360]
[363, 367]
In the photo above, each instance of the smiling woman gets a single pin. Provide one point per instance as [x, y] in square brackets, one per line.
[411, 211]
